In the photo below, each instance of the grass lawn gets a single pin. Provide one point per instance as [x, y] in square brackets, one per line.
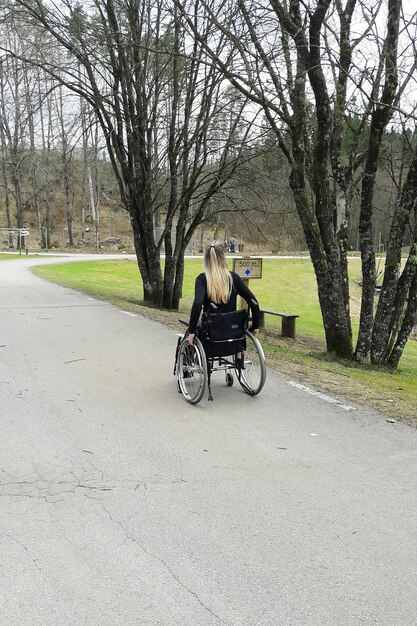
[287, 285]
[5, 256]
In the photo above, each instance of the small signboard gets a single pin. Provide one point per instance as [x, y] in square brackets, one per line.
[23, 232]
[248, 268]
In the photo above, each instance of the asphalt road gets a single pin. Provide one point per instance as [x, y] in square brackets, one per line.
[121, 504]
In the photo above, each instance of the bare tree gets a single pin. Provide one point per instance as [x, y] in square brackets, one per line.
[13, 125]
[32, 102]
[148, 87]
[48, 172]
[66, 156]
[304, 64]
[4, 156]
[24, 93]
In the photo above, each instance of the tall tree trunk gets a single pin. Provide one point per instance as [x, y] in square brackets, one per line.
[395, 286]
[380, 118]
[68, 202]
[4, 158]
[48, 157]
[85, 180]
[330, 268]
[33, 153]
[65, 161]
[169, 273]
[410, 318]
[148, 257]
[179, 278]
[47, 221]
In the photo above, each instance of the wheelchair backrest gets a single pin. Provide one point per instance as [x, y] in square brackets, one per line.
[225, 327]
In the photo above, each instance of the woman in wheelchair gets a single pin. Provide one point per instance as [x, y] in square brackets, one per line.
[221, 341]
[216, 291]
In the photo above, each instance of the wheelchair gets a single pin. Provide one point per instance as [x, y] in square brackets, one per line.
[222, 343]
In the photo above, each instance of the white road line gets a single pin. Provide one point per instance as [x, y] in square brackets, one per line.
[320, 395]
[128, 313]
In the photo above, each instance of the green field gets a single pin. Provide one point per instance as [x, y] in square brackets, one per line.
[287, 285]
[4, 256]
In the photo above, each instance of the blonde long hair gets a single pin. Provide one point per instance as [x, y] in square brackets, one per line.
[219, 279]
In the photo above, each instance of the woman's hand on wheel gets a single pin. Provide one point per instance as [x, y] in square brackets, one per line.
[255, 331]
[191, 338]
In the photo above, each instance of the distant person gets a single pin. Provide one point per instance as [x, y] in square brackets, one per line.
[216, 290]
[232, 245]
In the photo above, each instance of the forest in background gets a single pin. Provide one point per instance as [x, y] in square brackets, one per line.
[57, 181]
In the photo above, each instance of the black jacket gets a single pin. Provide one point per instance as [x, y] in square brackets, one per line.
[201, 300]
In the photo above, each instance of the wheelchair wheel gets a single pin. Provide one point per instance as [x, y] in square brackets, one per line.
[192, 370]
[252, 376]
[229, 379]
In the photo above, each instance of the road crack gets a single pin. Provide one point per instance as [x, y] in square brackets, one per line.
[22, 545]
[165, 564]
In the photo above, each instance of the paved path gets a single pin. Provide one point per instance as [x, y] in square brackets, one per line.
[121, 504]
